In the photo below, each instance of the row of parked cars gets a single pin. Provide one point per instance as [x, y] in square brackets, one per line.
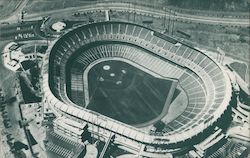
[4, 113]
[13, 144]
[6, 120]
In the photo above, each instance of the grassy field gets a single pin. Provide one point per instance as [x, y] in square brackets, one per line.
[205, 7]
[233, 40]
[46, 5]
[211, 5]
[126, 93]
[241, 69]
[8, 6]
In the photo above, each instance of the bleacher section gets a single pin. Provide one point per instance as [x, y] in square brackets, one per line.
[230, 150]
[62, 152]
[62, 146]
[207, 86]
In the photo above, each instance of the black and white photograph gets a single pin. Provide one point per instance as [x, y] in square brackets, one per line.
[124, 79]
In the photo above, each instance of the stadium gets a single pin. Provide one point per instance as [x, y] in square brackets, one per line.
[126, 80]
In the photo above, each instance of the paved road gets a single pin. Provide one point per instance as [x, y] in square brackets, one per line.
[141, 10]
[21, 31]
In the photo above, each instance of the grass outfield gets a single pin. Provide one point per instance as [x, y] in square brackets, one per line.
[127, 94]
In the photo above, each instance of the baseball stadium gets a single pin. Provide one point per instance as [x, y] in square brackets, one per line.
[150, 91]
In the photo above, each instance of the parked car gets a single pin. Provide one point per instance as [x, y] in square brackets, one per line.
[7, 124]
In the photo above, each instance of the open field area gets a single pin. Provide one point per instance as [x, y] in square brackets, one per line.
[206, 7]
[212, 5]
[125, 93]
[8, 6]
[233, 40]
[46, 5]
[241, 69]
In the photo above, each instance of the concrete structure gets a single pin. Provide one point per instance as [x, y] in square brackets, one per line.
[206, 83]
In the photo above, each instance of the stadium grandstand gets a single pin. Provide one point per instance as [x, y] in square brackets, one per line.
[67, 89]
